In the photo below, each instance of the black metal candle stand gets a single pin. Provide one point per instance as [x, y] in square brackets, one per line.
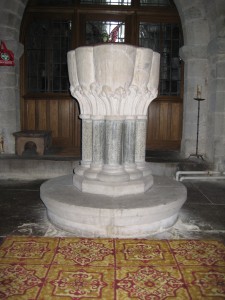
[196, 154]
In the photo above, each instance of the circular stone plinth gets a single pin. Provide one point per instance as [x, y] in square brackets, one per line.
[133, 216]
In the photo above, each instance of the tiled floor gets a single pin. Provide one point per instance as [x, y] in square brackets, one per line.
[202, 216]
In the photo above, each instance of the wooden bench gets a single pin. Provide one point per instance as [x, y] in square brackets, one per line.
[41, 138]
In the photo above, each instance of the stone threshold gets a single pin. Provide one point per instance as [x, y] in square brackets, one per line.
[50, 166]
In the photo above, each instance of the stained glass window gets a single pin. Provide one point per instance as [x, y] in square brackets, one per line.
[47, 43]
[104, 31]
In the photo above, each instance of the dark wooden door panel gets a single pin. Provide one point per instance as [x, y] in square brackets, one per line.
[164, 127]
[61, 116]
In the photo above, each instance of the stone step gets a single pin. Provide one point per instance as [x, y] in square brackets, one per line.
[129, 216]
[30, 168]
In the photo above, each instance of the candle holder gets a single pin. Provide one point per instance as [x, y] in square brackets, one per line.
[196, 154]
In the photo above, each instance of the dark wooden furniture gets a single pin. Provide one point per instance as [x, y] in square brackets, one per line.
[40, 138]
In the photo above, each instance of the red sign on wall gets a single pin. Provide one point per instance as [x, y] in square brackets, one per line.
[6, 56]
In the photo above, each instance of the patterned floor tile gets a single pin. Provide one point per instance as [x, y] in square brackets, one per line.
[164, 282]
[39, 268]
[205, 282]
[195, 252]
[21, 281]
[34, 250]
[85, 252]
[142, 252]
[70, 282]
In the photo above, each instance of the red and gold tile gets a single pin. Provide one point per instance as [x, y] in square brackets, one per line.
[85, 252]
[111, 269]
[18, 281]
[75, 282]
[143, 252]
[195, 252]
[34, 250]
[205, 282]
[162, 282]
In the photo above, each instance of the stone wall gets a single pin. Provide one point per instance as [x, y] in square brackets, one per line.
[194, 53]
[216, 104]
[204, 56]
[11, 13]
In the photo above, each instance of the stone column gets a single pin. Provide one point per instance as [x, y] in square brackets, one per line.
[215, 142]
[86, 144]
[140, 144]
[113, 169]
[129, 141]
[9, 90]
[98, 141]
[195, 74]
[113, 143]
[140, 140]
[98, 146]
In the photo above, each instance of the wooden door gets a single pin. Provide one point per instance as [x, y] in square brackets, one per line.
[164, 127]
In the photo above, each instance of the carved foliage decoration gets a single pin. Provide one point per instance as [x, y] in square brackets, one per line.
[113, 79]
